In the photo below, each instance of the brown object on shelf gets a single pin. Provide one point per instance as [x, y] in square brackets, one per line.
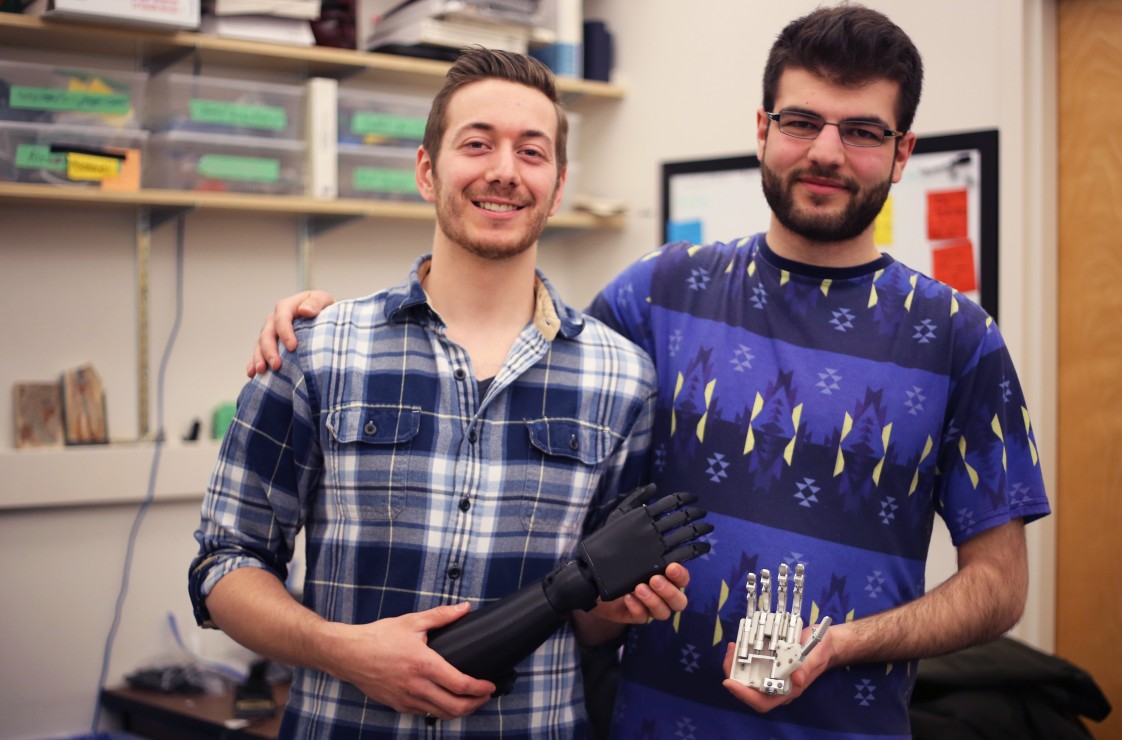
[38, 414]
[83, 407]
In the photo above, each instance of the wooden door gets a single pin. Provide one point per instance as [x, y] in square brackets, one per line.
[1089, 495]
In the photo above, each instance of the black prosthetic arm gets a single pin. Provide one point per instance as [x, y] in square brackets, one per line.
[636, 543]
[487, 643]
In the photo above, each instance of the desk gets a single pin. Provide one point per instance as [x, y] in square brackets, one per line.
[182, 717]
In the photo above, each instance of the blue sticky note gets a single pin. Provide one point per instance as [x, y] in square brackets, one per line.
[684, 231]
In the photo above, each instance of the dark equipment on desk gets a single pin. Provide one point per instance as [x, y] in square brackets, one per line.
[174, 679]
[253, 698]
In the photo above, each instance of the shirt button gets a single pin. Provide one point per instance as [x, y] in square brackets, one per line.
[472, 436]
[465, 503]
[370, 428]
[574, 444]
[454, 571]
[460, 374]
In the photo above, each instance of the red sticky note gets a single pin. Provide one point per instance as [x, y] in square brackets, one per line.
[953, 264]
[946, 215]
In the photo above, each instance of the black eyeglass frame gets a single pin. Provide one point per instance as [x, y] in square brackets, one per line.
[888, 133]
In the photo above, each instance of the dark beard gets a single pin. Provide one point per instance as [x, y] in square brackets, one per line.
[862, 209]
[449, 217]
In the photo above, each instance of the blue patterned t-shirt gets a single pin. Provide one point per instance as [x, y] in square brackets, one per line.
[823, 417]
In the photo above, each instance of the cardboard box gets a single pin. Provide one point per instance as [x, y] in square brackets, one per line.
[181, 14]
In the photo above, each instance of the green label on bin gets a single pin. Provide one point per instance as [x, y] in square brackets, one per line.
[39, 157]
[48, 98]
[382, 180]
[241, 169]
[385, 124]
[236, 114]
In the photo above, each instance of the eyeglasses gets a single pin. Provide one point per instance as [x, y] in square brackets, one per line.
[853, 133]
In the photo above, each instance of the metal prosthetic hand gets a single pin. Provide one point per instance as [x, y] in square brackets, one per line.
[767, 645]
[637, 542]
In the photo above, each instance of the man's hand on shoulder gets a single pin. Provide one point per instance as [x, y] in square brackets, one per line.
[278, 325]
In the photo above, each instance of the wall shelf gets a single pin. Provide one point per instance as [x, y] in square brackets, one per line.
[34, 32]
[104, 474]
[148, 46]
[41, 194]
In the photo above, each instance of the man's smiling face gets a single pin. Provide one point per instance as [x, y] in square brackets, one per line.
[496, 180]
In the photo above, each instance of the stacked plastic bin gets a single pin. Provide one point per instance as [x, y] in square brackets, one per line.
[378, 138]
[71, 125]
[225, 135]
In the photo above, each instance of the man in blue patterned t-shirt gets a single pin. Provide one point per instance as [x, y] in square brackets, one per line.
[825, 402]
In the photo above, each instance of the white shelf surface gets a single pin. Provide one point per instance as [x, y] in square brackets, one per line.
[104, 474]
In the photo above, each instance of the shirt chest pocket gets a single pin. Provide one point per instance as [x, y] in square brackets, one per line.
[369, 472]
[565, 461]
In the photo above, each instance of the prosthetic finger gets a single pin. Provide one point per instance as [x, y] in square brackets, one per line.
[678, 518]
[669, 503]
[635, 499]
[685, 534]
[689, 552]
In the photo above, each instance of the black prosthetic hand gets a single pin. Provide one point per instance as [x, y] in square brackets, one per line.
[637, 542]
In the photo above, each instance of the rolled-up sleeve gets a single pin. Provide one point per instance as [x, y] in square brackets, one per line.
[268, 466]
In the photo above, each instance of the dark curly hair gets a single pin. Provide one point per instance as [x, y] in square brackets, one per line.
[848, 45]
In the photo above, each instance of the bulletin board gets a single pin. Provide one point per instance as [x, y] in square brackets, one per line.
[940, 219]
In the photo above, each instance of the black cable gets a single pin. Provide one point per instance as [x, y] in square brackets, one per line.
[156, 451]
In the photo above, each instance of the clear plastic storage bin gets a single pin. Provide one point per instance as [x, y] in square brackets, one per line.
[216, 105]
[378, 172]
[185, 160]
[70, 94]
[71, 155]
[367, 117]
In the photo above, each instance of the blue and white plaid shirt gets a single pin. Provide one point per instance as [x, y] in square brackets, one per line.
[414, 491]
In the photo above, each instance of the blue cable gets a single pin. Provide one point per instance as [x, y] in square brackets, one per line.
[157, 449]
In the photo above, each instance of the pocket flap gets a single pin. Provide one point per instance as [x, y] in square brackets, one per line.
[569, 438]
[375, 425]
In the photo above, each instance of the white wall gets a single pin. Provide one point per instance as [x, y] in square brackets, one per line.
[693, 82]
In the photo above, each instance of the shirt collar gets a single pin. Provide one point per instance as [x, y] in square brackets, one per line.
[820, 273]
[551, 315]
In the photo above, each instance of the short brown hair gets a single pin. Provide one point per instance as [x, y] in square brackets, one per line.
[849, 45]
[477, 64]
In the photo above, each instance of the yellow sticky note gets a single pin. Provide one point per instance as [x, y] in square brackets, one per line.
[882, 226]
[91, 167]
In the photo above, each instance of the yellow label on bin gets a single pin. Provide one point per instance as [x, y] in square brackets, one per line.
[91, 167]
